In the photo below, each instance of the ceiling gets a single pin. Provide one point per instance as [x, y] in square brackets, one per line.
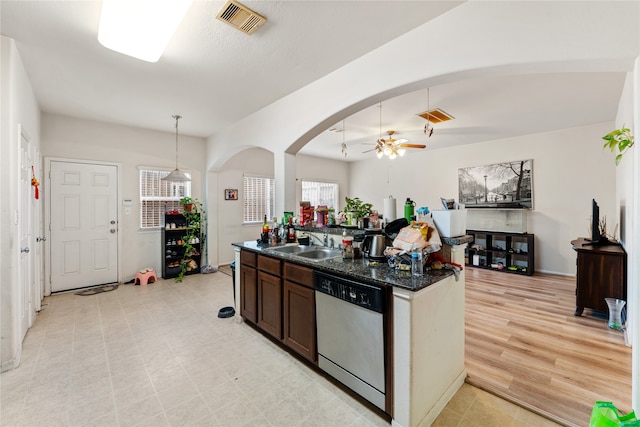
[214, 75]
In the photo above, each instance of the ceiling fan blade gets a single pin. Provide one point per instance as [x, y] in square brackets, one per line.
[413, 146]
[400, 141]
[368, 151]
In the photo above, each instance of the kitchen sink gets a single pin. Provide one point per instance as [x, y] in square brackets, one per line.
[312, 253]
[318, 254]
[292, 249]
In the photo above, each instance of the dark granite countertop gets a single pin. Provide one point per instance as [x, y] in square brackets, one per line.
[358, 269]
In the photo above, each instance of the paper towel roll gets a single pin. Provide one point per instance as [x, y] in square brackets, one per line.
[389, 212]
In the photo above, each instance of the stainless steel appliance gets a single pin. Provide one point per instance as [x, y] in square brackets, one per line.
[373, 246]
[349, 318]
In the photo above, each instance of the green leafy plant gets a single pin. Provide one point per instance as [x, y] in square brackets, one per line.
[622, 139]
[186, 203]
[194, 221]
[357, 206]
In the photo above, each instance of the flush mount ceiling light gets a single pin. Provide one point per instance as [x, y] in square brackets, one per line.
[140, 28]
[177, 175]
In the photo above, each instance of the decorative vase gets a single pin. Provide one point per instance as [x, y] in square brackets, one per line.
[615, 313]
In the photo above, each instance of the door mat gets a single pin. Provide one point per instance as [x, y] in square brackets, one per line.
[98, 290]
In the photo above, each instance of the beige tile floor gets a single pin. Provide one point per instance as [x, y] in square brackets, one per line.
[158, 355]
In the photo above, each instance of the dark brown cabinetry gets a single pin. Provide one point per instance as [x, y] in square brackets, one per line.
[270, 296]
[299, 311]
[601, 273]
[178, 237]
[508, 252]
[279, 298]
[249, 286]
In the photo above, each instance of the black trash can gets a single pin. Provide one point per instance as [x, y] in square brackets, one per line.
[226, 312]
[233, 277]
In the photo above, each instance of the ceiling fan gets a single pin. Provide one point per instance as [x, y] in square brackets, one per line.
[392, 147]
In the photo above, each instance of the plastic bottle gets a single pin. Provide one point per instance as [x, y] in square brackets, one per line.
[416, 261]
[408, 209]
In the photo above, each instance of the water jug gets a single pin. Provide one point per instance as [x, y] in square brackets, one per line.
[408, 209]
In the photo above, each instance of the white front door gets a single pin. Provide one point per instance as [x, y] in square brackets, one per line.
[83, 225]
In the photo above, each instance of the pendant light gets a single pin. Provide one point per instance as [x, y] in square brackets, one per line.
[428, 128]
[344, 144]
[177, 175]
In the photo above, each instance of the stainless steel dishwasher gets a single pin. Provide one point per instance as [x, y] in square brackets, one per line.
[349, 318]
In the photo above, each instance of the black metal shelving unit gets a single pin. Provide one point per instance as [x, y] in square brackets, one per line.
[501, 251]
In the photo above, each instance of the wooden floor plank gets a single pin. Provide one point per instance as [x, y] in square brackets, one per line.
[524, 344]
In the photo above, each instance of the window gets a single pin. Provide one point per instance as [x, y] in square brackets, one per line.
[320, 193]
[157, 196]
[259, 199]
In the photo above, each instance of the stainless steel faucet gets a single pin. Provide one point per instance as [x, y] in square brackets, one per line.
[324, 243]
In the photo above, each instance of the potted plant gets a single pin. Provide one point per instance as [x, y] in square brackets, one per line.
[619, 138]
[192, 241]
[357, 207]
[187, 204]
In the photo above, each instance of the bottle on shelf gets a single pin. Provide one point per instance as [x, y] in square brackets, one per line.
[291, 231]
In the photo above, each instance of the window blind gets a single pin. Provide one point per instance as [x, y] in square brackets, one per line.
[320, 193]
[259, 199]
[157, 197]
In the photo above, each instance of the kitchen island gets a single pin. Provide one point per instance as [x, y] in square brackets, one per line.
[424, 325]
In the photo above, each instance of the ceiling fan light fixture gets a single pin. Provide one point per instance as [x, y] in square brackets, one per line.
[401, 152]
[142, 28]
[379, 154]
[176, 175]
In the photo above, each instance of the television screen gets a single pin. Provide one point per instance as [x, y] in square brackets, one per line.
[595, 221]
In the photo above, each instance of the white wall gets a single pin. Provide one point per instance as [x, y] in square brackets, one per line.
[260, 162]
[569, 169]
[18, 106]
[72, 138]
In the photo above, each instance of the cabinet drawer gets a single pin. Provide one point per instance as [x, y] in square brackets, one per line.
[299, 274]
[270, 265]
[248, 258]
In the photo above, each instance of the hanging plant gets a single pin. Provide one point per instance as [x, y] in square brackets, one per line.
[622, 139]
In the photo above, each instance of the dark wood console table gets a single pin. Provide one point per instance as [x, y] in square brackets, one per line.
[601, 273]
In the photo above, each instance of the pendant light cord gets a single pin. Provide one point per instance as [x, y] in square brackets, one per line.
[177, 117]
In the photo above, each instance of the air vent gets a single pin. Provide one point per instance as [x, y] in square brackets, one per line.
[436, 116]
[240, 17]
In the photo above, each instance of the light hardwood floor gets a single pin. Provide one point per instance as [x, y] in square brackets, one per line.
[524, 344]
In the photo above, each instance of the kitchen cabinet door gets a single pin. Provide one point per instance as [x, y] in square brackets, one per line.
[300, 320]
[270, 304]
[249, 293]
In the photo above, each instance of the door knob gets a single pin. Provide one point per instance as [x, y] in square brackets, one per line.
[25, 250]
[113, 222]
[41, 239]
[113, 230]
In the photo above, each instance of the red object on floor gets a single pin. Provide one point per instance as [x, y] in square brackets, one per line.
[142, 278]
